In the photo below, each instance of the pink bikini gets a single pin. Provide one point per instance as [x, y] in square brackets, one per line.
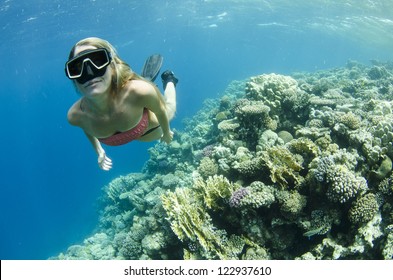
[121, 138]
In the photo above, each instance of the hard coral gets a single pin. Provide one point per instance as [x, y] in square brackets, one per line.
[215, 191]
[283, 166]
[191, 223]
[270, 89]
[291, 203]
[237, 197]
[207, 167]
[188, 219]
[351, 120]
[363, 209]
[257, 195]
[344, 184]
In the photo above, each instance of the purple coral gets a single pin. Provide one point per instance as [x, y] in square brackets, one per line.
[208, 150]
[237, 196]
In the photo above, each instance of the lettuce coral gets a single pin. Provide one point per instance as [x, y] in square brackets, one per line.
[214, 191]
[283, 166]
[192, 224]
[188, 219]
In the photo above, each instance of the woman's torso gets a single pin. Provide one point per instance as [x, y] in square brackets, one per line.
[125, 113]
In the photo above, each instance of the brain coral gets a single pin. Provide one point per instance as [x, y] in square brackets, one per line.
[363, 209]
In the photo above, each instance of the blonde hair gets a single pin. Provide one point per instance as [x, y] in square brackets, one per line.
[122, 71]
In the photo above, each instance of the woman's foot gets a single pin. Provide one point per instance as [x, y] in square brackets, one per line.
[168, 76]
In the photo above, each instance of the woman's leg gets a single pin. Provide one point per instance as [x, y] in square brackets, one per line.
[169, 82]
[170, 100]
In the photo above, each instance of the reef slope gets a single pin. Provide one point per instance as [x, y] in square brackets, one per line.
[278, 167]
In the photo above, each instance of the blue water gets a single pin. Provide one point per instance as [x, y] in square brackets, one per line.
[50, 181]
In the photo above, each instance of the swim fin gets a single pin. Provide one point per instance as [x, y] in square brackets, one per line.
[152, 67]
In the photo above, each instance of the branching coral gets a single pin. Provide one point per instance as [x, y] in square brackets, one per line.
[249, 168]
[118, 186]
[237, 197]
[334, 131]
[386, 186]
[350, 120]
[321, 222]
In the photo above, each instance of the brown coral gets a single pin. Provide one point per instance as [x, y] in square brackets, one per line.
[283, 166]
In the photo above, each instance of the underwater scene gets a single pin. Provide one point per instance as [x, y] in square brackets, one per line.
[283, 136]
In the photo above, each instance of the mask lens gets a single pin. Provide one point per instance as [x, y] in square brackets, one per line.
[99, 58]
[74, 67]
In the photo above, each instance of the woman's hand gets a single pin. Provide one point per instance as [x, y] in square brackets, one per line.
[104, 162]
[167, 138]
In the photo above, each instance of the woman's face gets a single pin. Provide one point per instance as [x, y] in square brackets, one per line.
[96, 85]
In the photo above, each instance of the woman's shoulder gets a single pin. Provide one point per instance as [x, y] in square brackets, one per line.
[136, 89]
[139, 85]
[74, 113]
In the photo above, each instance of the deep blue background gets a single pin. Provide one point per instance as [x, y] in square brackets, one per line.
[50, 181]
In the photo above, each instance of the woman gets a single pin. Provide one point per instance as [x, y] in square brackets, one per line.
[117, 105]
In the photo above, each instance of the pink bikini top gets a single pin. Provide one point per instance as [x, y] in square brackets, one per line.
[121, 138]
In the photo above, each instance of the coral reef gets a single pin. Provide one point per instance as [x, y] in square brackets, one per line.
[278, 167]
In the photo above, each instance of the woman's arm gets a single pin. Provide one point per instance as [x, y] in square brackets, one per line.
[104, 162]
[74, 118]
[150, 97]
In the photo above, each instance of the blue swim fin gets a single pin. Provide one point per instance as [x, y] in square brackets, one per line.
[152, 67]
